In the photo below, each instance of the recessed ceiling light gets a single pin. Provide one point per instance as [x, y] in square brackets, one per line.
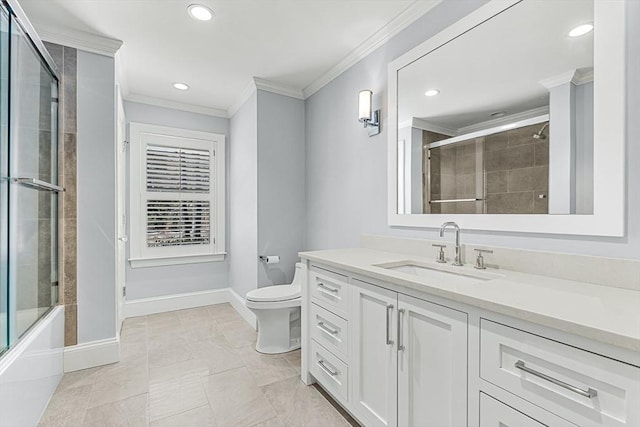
[498, 114]
[432, 92]
[200, 12]
[181, 86]
[581, 30]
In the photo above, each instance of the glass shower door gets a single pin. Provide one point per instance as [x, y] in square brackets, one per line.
[32, 228]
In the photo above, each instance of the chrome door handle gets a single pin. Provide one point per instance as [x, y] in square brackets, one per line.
[124, 239]
[400, 345]
[590, 393]
[325, 328]
[389, 310]
[327, 369]
[38, 184]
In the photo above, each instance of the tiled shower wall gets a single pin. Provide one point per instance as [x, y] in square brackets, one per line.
[513, 165]
[517, 171]
[66, 60]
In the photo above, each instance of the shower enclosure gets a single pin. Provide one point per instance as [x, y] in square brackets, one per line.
[29, 188]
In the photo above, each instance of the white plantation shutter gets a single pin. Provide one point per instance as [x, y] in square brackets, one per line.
[181, 194]
[178, 223]
[177, 169]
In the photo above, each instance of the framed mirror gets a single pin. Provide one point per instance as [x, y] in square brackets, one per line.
[512, 119]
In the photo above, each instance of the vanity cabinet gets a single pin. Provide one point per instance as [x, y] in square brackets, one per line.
[408, 359]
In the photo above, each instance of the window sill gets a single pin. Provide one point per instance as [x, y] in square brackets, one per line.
[176, 260]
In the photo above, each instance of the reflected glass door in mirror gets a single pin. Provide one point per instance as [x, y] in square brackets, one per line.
[500, 119]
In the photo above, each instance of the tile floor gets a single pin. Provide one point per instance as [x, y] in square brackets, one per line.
[188, 368]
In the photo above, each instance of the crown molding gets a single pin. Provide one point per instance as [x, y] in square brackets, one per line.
[257, 83]
[380, 37]
[278, 88]
[582, 76]
[427, 125]
[242, 98]
[576, 77]
[78, 39]
[159, 102]
[512, 118]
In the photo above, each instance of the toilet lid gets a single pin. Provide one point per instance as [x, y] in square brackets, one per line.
[275, 293]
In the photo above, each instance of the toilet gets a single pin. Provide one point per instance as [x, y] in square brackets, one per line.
[277, 309]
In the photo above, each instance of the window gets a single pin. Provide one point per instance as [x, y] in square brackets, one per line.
[177, 196]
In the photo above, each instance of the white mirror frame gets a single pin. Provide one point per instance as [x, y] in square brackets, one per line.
[609, 205]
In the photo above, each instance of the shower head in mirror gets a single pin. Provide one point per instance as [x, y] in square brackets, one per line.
[540, 134]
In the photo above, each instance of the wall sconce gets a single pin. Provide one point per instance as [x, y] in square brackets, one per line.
[371, 119]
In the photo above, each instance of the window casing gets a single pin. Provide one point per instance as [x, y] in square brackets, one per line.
[177, 196]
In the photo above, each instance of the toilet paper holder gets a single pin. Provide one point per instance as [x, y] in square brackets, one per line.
[269, 259]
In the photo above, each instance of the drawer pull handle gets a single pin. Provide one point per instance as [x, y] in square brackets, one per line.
[400, 345]
[327, 369]
[327, 329]
[321, 285]
[590, 393]
[389, 310]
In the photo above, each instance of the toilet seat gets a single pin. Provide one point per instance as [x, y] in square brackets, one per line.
[276, 293]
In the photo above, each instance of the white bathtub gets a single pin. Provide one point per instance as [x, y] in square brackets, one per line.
[31, 371]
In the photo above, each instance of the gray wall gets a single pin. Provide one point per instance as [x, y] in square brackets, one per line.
[96, 195]
[281, 200]
[346, 176]
[243, 198]
[176, 279]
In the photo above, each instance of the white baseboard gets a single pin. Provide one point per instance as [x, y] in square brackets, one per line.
[143, 307]
[91, 354]
[240, 305]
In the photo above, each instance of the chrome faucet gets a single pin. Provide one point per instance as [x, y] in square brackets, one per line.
[444, 226]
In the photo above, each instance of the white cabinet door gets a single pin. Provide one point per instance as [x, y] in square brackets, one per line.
[432, 365]
[373, 355]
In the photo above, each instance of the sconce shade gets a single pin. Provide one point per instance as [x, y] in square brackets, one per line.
[364, 105]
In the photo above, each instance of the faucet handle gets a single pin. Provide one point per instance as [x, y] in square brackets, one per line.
[441, 259]
[480, 259]
[481, 251]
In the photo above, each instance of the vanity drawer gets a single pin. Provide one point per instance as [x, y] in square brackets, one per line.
[329, 330]
[329, 289]
[330, 371]
[494, 413]
[579, 386]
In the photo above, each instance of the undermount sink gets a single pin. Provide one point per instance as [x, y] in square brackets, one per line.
[439, 274]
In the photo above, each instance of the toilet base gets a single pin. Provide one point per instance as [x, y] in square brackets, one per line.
[278, 330]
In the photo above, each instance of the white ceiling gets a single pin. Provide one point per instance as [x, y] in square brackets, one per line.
[498, 66]
[288, 42]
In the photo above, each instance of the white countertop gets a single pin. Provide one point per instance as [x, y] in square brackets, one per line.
[602, 313]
